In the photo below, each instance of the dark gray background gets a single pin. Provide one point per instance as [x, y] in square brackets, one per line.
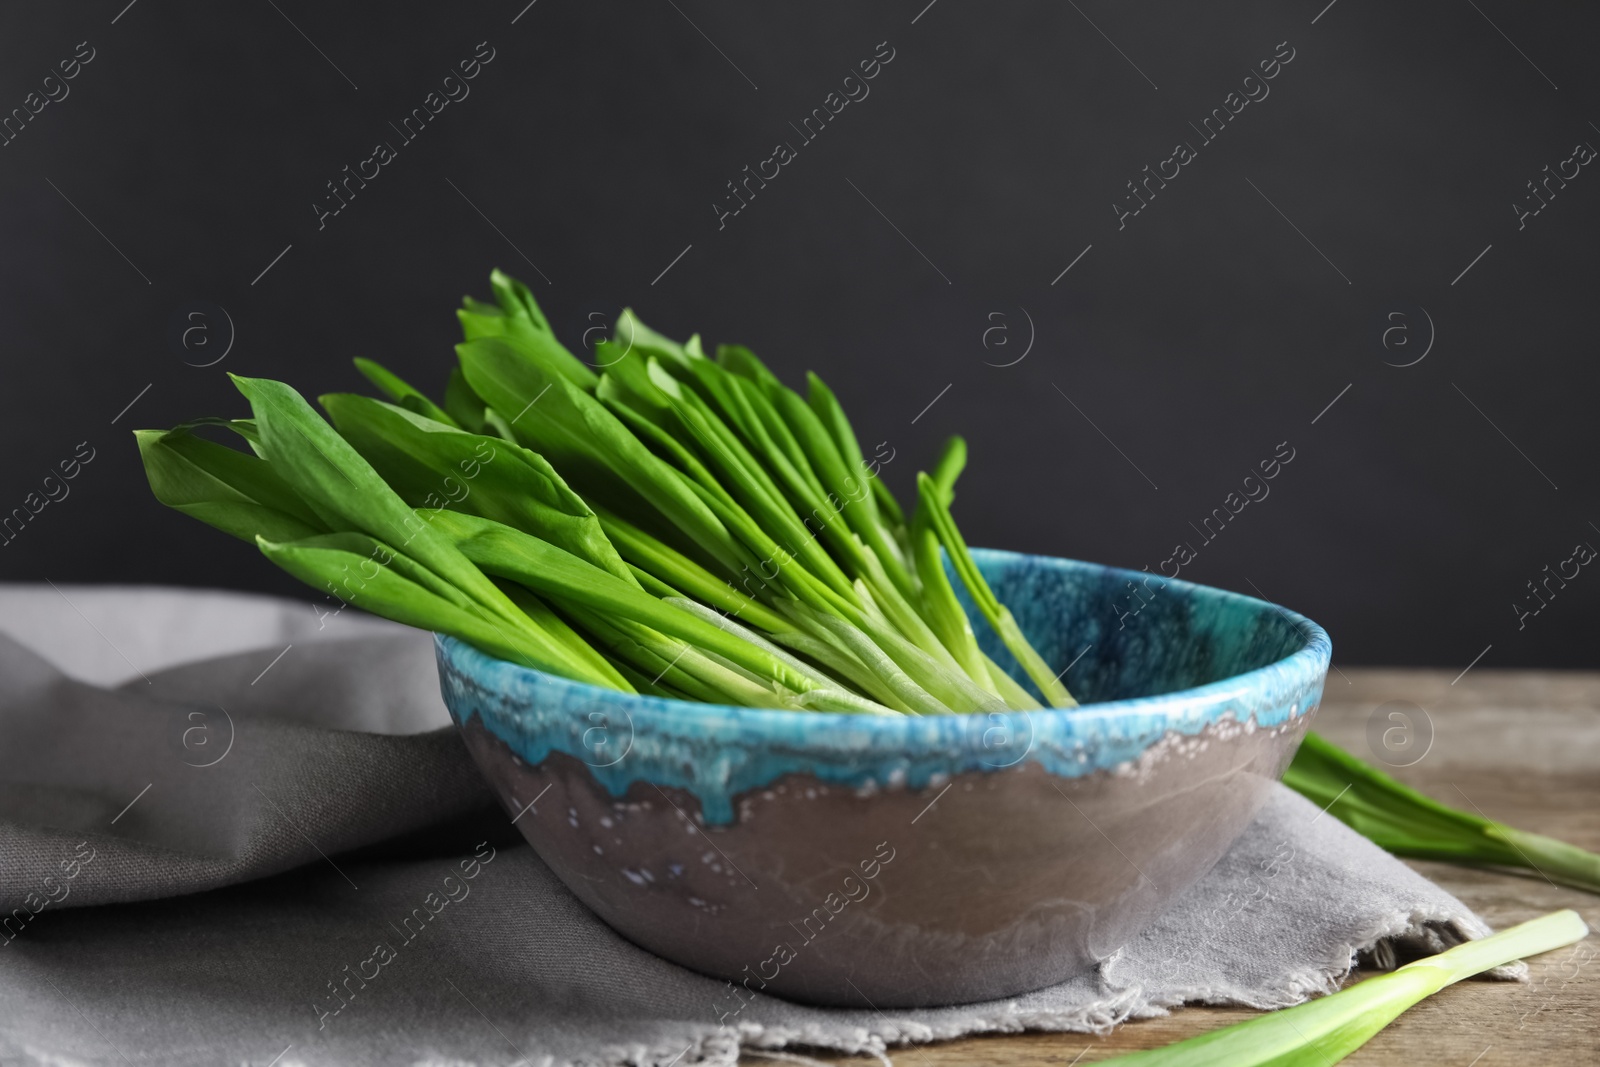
[1191, 342]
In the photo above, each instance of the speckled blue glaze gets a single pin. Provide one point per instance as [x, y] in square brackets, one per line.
[1191, 656]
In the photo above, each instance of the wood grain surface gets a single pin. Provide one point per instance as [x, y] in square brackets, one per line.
[1522, 747]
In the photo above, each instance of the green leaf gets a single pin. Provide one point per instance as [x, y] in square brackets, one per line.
[677, 663]
[367, 573]
[346, 493]
[1410, 823]
[674, 568]
[402, 392]
[433, 466]
[560, 632]
[945, 613]
[837, 659]
[951, 686]
[517, 299]
[245, 428]
[844, 701]
[234, 491]
[877, 588]
[931, 500]
[831, 414]
[904, 690]
[761, 550]
[566, 579]
[745, 363]
[742, 406]
[1324, 1031]
[851, 488]
[1016, 697]
[747, 480]
[462, 404]
[376, 555]
[478, 307]
[660, 441]
[588, 444]
[648, 685]
[722, 622]
[642, 509]
[756, 384]
[889, 508]
[626, 380]
[634, 336]
[480, 320]
[952, 461]
[523, 327]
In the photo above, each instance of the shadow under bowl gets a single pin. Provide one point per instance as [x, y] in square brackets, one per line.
[917, 860]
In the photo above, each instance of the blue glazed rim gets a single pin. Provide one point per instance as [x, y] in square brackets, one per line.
[717, 752]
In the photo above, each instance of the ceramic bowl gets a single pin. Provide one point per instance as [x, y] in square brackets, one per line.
[913, 861]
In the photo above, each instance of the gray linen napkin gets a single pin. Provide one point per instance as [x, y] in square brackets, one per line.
[266, 804]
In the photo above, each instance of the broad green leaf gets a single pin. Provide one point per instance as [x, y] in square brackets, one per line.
[527, 333]
[234, 491]
[463, 405]
[517, 299]
[587, 443]
[745, 363]
[851, 487]
[480, 320]
[684, 574]
[402, 392]
[565, 579]
[659, 440]
[738, 402]
[747, 480]
[344, 490]
[781, 437]
[611, 527]
[1411, 823]
[635, 336]
[371, 582]
[374, 555]
[433, 466]
[561, 633]
[666, 660]
[245, 428]
[478, 307]
[760, 551]
[626, 378]
[833, 418]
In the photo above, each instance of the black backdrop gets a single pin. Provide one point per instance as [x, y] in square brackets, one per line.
[915, 252]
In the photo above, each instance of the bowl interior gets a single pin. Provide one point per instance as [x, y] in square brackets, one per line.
[1130, 634]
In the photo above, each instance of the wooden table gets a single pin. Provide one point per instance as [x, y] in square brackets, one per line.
[1521, 746]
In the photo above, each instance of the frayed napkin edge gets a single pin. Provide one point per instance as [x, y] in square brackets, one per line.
[1414, 932]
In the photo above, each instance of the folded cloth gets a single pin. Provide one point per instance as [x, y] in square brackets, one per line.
[292, 856]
